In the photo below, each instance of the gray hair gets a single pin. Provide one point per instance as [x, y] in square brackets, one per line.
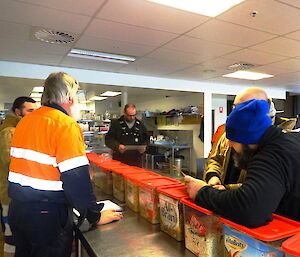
[129, 106]
[59, 87]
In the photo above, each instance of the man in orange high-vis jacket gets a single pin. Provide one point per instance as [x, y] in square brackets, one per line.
[49, 175]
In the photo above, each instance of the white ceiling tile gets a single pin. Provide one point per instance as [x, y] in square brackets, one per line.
[90, 64]
[17, 46]
[232, 81]
[86, 7]
[175, 55]
[127, 33]
[294, 35]
[254, 57]
[151, 66]
[32, 57]
[290, 65]
[14, 87]
[282, 79]
[217, 63]
[295, 3]
[197, 73]
[228, 33]
[34, 15]
[112, 46]
[273, 17]
[269, 69]
[279, 46]
[29, 52]
[150, 15]
[202, 47]
[14, 30]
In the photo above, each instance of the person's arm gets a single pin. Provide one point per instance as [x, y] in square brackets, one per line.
[145, 139]
[213, 170]
[6, 141]
[111, 136]
[73, 165]
[254, 202]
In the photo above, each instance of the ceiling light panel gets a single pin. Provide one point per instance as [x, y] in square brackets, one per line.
[249, 75]
[97, 98]
[211, 8]
[38, 95]
[101, 56]
[111, 93]
[38, 89]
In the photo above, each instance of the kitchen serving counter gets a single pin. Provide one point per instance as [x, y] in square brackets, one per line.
[132, 236]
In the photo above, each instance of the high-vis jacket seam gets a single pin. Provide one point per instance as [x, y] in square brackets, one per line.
[32, 155]
[40, 184]
[73, 163]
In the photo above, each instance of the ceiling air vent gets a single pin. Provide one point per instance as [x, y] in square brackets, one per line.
[53, 36]
[240, 66]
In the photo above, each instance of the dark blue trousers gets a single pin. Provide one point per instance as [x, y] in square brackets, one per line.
[41, 229]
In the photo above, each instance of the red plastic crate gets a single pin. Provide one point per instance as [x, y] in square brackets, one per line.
[148, 197]
[292, 245]
[279, 228]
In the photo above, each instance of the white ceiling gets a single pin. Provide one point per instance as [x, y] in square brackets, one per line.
[14, 87]
[167, 42]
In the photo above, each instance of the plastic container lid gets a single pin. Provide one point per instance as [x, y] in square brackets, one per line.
[189, 202]
[157, 182]
[279, 228]
[292, 245]
[120, 169]
[141, 176]
[176, 191]
[110, 165]
[129, 170]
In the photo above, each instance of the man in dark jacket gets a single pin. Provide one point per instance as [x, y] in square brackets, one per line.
[22, 106]
[271, 158]
[127, 132]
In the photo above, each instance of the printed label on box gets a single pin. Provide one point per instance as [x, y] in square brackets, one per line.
[169, 211]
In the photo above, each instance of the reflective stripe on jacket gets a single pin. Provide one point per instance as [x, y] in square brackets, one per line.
[48, 162]
[42, 151]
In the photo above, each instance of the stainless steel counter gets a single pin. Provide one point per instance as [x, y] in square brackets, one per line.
[133, 236]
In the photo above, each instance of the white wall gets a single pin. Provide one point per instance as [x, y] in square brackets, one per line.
[219, 104]
[198, 145]
[112, 106]
[162, 103]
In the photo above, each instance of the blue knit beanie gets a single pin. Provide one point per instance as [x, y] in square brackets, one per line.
[248, 121]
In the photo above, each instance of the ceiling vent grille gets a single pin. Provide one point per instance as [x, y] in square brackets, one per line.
[52, 36]
[241, 66]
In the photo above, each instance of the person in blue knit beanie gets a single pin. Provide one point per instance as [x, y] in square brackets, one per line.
[248, 122]
[272, 160]
[245, 126]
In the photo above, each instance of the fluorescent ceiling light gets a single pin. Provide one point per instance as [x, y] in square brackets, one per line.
[211, 8]
[100, 56]
[250, 75]
[111, 93]
[38, 89]
[38, 95]
[97, 98]
[36, 99]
